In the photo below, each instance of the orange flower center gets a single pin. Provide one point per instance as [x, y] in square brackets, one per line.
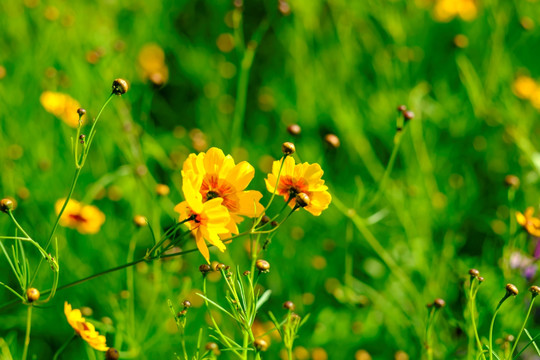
[214, 187]
[289, 186]
[78, 218]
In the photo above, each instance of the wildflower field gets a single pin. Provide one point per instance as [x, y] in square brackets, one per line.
[271, 179]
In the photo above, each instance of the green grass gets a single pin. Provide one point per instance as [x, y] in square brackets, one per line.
[332, 67]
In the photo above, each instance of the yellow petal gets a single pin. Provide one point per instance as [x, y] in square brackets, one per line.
[319, 202]
[241, 175]
[249, 203]
[201, 245]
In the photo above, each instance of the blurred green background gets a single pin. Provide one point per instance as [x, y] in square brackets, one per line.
[332, 66]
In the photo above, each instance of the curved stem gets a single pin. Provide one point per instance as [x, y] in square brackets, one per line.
[473, 311]
[522, 327]
[492, 324]
[28, 328]
[61, 350]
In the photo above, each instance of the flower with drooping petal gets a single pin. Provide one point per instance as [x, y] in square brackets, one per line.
[529, 222]
[300, 178]
[62, 106]
[84, 329]
[222, 178]
[86, 219]
[208, 220]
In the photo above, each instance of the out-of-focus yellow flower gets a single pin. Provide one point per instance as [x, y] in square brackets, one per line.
[301, 178]
[208, 220]
[524, 87]
[222, 178]
[152, 62]
[84, 329]
[62, 106]
[529, 222]
[86, 219]
[446, 10]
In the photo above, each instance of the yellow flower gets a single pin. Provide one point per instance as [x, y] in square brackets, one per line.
[62, 106]
[446, 10]
[84, 329]
[222, 178]
[208, 220]
[301, 178]
[152, 62]
[529, 223]
[86, 219]
[524, 87]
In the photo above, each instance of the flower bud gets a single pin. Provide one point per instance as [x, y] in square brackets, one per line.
[274, 223]
[294, 129]
[480, 279]
[289, 305]
[162, 190]
[260, 345]
[474, 272]
[212, 347]
[120, 87]
[32, 294]
[408, 115]
[246, 273]
[332, 140]
[205, 268]
[139, 221]
[264, 220]
[288, 148]
[81, 112]
[6, 205]
[439, 303]
[262, 265]
[181, 313]
[512, 181]
[302, 199]
[511, 289]
[187, 304]
[535, 290]
[112, 354]
[401, 108]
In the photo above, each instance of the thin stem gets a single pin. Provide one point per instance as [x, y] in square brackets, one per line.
[522, 327]
[273, 194]
[61, 350]
[28, 328]
[492, 324]
[388, 169]
[471, 299]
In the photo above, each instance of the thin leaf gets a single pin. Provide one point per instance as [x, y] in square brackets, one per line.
[526, 346]
[532, 340]
[264, 298]
[216, 305]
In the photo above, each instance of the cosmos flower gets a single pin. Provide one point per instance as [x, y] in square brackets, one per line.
[300, 178]
[86, 219]
[208, 220]
[222, 178]
[529, 222]
[84, 329]
[62, 106]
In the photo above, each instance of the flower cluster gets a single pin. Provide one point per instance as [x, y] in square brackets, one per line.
[86, 219]
[84, 329]
[62, 106]
[216, 199]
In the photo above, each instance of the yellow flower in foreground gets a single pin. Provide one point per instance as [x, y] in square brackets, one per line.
[222, 178]
[86, 219]
[529, 223]
[84, 329]
[62, 106]
[208, 220]
[301, 178]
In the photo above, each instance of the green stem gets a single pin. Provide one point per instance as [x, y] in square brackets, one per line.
[492, 325]
[388, 169]
[472, 299]
[61, 350]
[28, 238]
[522, 327]
[28, 328]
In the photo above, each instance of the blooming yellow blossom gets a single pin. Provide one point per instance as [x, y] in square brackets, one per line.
[301, 178]
[86, 219]
[529, 223]
[222, 178]
[524, 87]
[152, 62]
[208, 220]
[446, 10]
[62, 106]
[84, 329]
